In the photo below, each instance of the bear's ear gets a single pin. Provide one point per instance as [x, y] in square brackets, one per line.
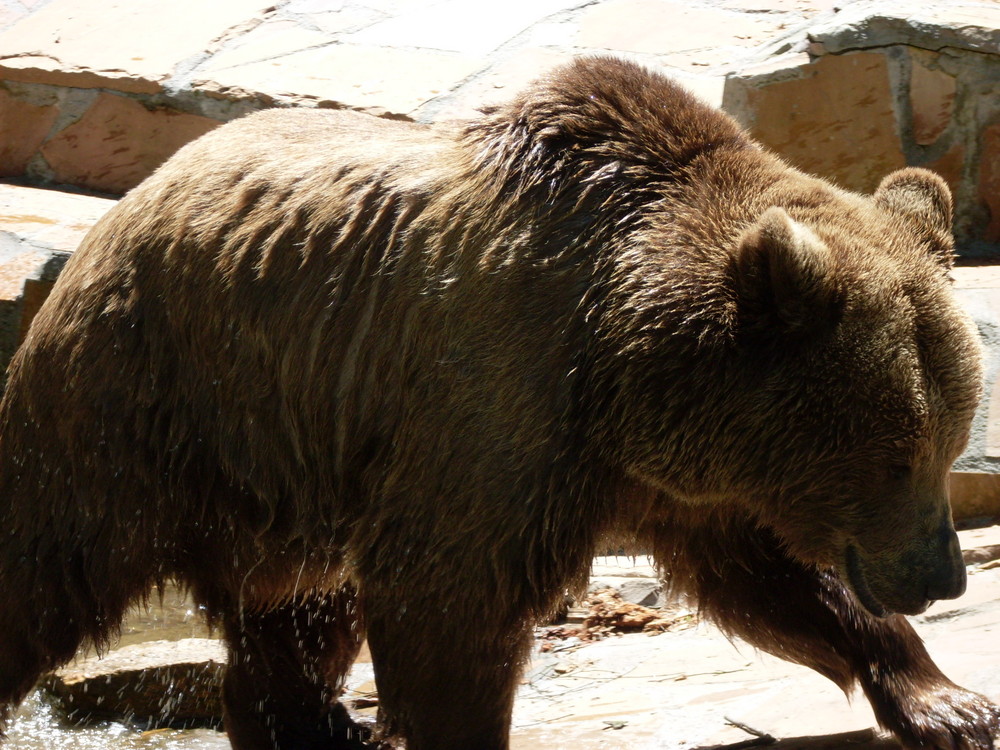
[783, 276]
[921, 196]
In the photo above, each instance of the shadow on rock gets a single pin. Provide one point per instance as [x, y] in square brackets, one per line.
[865, 739]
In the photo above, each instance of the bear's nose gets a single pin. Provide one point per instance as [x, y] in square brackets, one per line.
[946, 580]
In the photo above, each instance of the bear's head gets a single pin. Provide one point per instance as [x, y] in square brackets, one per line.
[862, 375]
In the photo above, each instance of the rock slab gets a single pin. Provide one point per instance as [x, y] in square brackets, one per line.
[157, 684]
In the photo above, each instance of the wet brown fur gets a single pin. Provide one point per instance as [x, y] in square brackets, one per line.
[348, 377]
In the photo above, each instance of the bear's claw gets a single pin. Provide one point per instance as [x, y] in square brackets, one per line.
[949, 718]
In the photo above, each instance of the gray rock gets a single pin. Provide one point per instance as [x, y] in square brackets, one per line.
[158, 683]
[965, 25]
[634, 590]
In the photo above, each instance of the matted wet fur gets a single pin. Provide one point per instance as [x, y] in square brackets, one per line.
[343, 377]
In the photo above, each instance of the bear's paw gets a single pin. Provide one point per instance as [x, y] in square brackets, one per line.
[947, 718]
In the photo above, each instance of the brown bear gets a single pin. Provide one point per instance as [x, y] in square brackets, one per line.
[347, 377]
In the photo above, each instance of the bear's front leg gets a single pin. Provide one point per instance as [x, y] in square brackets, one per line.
[446, 676]
[908, 692]
[750, 588]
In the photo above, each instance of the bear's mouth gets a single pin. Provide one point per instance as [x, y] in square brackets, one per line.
[859, 584]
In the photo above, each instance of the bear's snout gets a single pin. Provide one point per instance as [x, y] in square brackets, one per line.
[946, 579]
[908, 583]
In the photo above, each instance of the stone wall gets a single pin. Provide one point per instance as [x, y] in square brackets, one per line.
[97, 140]
[882, 86]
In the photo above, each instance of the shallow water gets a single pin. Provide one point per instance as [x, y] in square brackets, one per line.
[169, 617]
[38, 727]
[172, 617]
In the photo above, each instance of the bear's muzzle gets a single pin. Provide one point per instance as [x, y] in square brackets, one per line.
[909, 581]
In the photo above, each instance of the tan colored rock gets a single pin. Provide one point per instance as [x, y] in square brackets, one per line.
[976, 277]
[833, 118]
[989, 180]
[23, 127]
[789, 6]
[624, 566]
[13, 270]
[161, 683]
[712, 59]
[118, 142]
[378, 80]
[333, 18]
[993, 420]
[498, 84]
[659, 27]
[775, 69]
[38, 231]
[708, 88]
[981, 543]
[47, 219]
[97, 43]
[51, 71]
[272, 39]
[458, 25]
[950, 166]
[10, 13]
[974, 494]
[932, 98]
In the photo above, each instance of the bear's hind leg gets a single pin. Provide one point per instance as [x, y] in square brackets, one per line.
[751, 589]
[286, 670]
[34, 638]
[60, 596]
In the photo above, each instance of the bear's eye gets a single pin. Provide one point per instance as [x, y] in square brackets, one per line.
[899, 472]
